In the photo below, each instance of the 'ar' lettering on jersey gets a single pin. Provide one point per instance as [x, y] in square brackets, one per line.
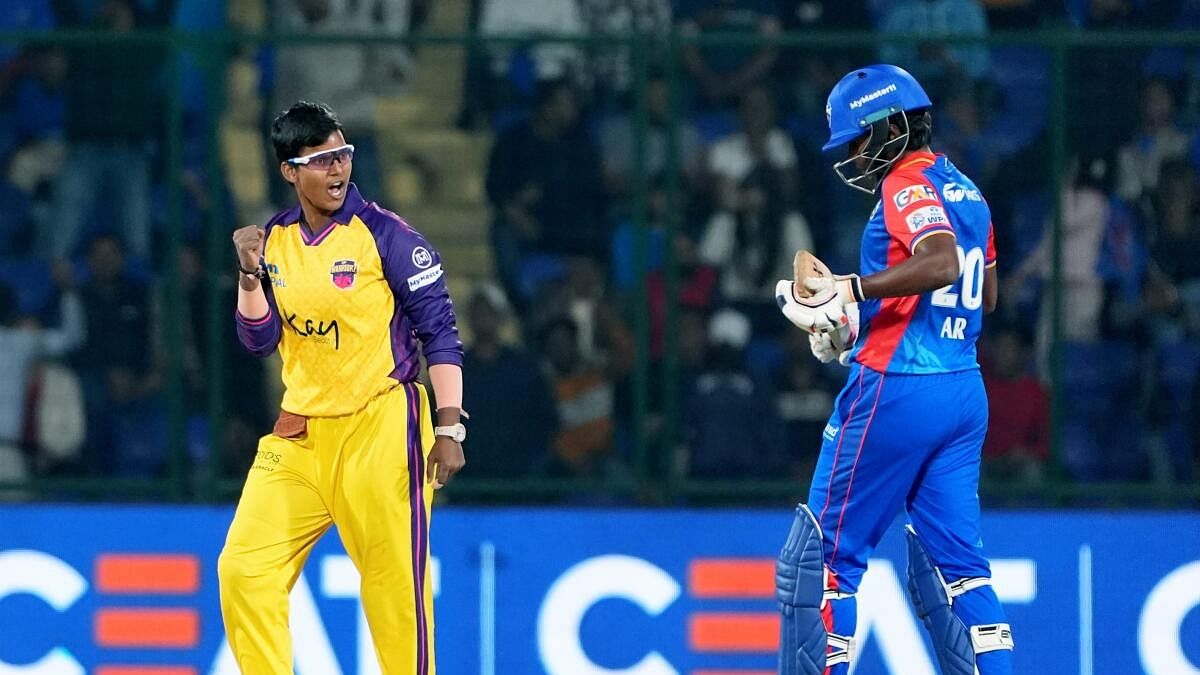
[953, 327]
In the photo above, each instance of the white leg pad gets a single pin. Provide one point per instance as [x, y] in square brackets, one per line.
[990, 637]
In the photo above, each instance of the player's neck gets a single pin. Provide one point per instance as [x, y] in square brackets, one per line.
[911, 155]
[314, 219]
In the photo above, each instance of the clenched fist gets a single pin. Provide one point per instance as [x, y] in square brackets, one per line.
[248, 241]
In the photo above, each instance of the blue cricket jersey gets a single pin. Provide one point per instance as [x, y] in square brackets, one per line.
[924, 196]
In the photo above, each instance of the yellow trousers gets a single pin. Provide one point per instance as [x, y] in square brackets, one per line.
[365, 473]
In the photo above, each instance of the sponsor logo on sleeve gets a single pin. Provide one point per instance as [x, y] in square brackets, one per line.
[423, 279]
[924, 217]
[343, 273]
[421, 257]
[913, 194]
[953, 192]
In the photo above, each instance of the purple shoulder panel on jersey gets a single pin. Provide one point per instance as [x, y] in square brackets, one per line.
[260, 336]
[423, 309]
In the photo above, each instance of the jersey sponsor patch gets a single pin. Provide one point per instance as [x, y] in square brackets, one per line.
[830, 432]
[421, 257]
[275, 275]
[423, 279]
[953, 192]
[913, 194]
[924, 217]
[343, 273]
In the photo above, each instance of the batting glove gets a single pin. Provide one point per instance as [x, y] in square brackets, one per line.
[847, 287]
[822, 347]
[821, 313]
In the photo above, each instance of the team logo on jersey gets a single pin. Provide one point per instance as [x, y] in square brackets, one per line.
[913, 194]
[924, 217]
[421, 257]
[343, 273]
[953, 192]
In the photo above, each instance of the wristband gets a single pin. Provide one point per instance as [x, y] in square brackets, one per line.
[854, 287]
[257, 273]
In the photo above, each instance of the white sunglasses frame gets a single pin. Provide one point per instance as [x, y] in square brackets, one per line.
[303, 161]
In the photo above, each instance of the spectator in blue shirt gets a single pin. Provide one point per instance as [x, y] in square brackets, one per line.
[721, 74]
[939, 65]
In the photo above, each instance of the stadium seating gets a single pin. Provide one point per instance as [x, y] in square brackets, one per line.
[1100, 439]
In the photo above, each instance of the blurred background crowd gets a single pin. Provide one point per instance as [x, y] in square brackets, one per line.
[611, 248]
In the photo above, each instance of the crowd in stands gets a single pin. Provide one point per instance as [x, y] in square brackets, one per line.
[754, 190]
[552, 346]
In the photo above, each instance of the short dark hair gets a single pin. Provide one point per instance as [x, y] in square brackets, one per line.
[920, 127]
[306, 124]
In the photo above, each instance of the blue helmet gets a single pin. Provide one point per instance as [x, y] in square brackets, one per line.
[867, 95]
[863, 104]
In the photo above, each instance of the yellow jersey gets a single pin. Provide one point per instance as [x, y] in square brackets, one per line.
[349, 306]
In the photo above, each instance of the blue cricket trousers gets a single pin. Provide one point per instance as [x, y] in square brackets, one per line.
[913, 442]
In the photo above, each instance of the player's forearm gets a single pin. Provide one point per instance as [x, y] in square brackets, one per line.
[252, 301]
[907, 278]
[447, 382]
[258, 328]
[934, 265]
[991, 290]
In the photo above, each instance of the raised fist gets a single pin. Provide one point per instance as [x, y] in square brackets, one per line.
[248, 241]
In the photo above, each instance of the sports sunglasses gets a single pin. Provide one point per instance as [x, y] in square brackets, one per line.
[325, 158]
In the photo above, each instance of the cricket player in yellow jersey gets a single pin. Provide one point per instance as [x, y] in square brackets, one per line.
[346, 291]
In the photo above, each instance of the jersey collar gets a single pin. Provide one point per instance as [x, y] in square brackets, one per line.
[917, 158]
[352, 204]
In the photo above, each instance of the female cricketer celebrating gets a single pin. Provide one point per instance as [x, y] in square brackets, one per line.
[346, 290]
[907, 429]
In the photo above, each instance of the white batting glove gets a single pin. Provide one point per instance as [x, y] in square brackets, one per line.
[834, 344]
[847, 287]
[822, 347]
[837, 344]
[818, 314]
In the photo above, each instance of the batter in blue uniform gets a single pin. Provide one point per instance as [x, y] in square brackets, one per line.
[908, 427]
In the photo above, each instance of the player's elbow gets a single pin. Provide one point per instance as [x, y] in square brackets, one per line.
[261, 350]
[944, 270]
[989, 303]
